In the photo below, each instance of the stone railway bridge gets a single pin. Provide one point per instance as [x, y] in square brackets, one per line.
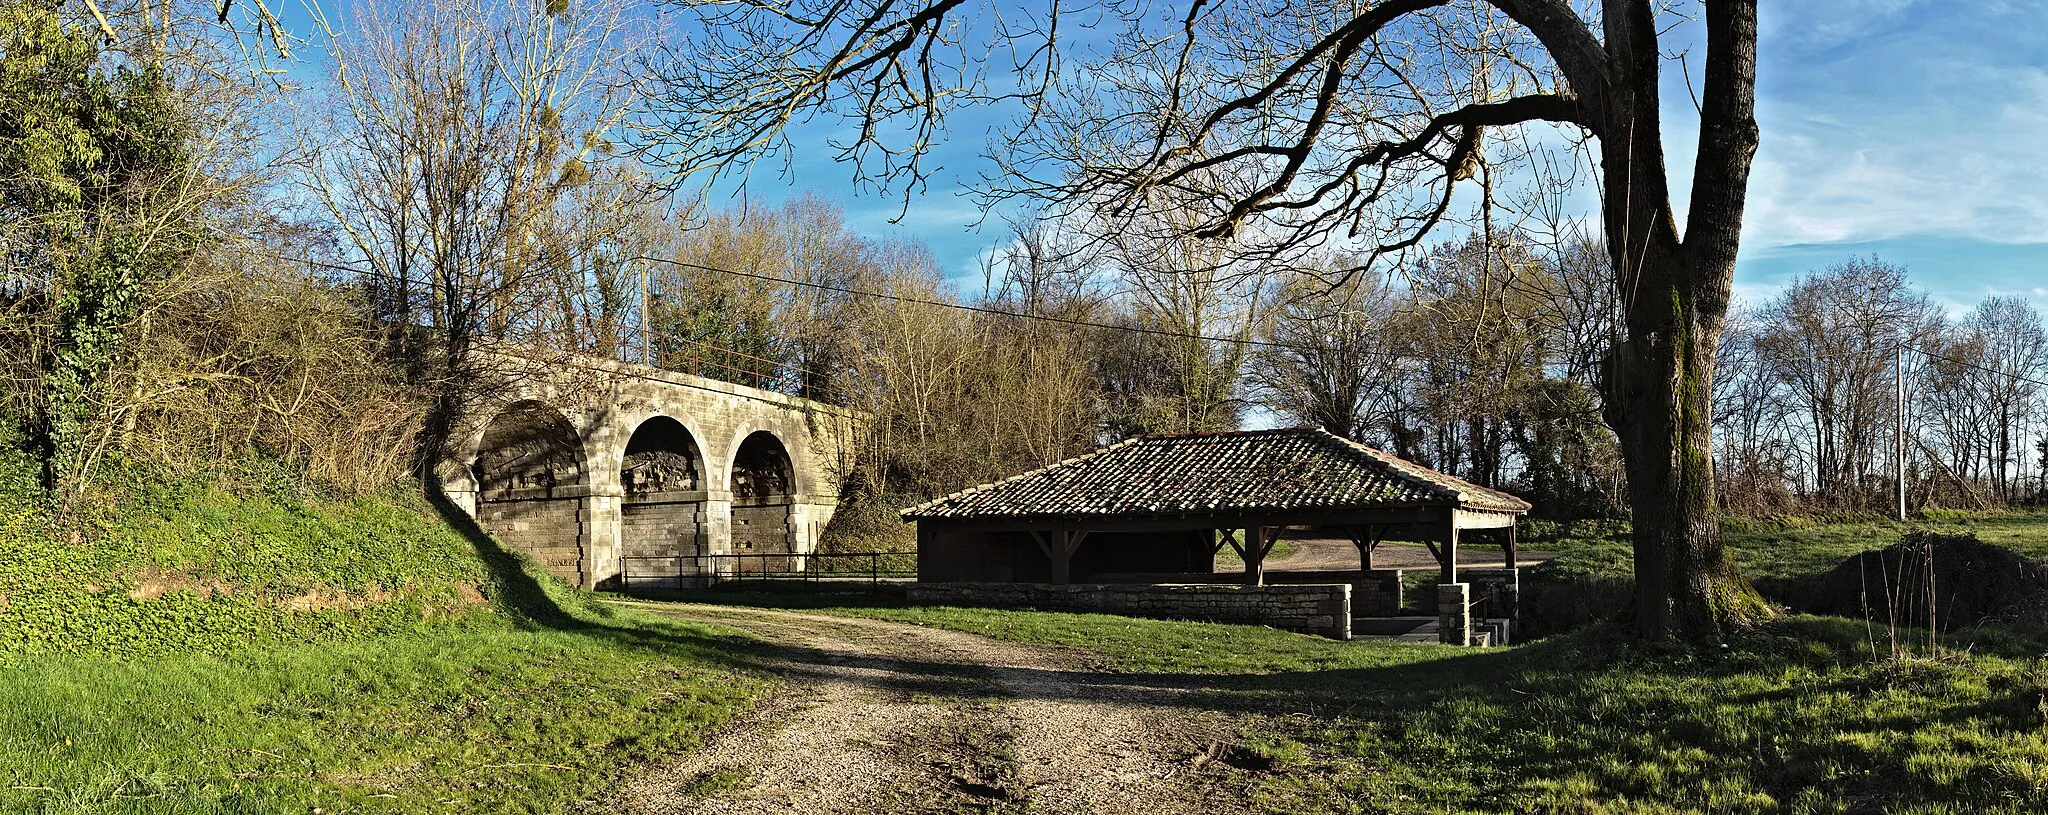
[600, 469]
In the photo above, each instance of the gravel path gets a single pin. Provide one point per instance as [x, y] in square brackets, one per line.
[888, 717]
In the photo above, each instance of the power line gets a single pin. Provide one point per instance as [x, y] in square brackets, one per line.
[1158, 332]
[1968, 364]
[649, 331]
[989, 310]
[977, 309]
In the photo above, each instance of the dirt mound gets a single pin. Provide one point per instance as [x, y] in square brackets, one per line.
[1967, 580]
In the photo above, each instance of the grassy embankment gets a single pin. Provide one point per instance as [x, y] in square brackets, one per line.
[243, 644]
[1591, 577]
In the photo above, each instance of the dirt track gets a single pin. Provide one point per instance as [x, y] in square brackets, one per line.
[888, 717]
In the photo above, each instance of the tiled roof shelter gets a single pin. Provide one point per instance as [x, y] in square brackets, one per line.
[1142, 490]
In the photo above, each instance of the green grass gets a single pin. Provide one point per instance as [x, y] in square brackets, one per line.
[1592, 577]
[1800, 718]
[240, 642]
[504, 721]
[1227, 559]
[227, 561]
[1784, 548]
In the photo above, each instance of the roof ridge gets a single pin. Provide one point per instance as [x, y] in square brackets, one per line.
[1402, 466]
[1219, 434]
[1154, 472]
[1388, 461]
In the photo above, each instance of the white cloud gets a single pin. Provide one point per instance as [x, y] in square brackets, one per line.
[1883, 165]
[1820, 24]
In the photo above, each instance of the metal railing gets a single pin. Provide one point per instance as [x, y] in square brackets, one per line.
[814, 567]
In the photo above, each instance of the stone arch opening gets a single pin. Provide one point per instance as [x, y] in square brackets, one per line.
[763, 484]
[662, 533]
[532, 485]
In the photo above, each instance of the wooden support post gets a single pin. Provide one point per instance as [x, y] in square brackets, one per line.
[1366, 538]
[1073, 544]
[1229, 537]
[1509, 546]
[1258, 542]
[1059, 551]
[1448, 559]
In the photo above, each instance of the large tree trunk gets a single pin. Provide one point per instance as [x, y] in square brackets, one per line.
[1660, 403]
[1674, 294]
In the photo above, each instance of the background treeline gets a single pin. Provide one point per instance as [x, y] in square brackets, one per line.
[203, 265]
[1825, 385]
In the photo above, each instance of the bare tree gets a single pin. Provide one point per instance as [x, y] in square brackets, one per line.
[1195, 308]
[1326, 362]
[1830, 340]
[2014, 354]
[1355, 119]
[457, 143]
[450, 163]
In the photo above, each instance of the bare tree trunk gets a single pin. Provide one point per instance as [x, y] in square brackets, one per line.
[1660, 404]
[1675, 296]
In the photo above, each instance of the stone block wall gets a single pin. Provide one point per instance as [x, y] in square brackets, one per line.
[656, 529]
[549, 530]
[1377, 593]
[1374, 592]
[1321, 609]
[761, 529]
[603, 403]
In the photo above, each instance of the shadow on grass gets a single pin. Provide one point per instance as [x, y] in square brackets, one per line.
[1572, 706]
[535, 602]
[1366, 688]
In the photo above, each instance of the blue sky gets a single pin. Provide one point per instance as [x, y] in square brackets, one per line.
[1909, 129]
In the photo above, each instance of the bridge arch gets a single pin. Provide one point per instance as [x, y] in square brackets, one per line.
[664, 482]
[532, 475]
[762, 480]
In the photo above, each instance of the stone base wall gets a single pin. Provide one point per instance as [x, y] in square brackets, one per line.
[551, 531]
[1321, 609]
[1377, 594]
[1374, 593]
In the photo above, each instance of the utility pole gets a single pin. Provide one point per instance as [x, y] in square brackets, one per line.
[646, 327]
[1899, 426]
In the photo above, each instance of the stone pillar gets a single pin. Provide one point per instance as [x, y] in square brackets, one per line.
[717, 531]
[1453, 613]
[603, 540]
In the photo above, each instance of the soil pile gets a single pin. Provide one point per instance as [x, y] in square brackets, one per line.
[1957, 580]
